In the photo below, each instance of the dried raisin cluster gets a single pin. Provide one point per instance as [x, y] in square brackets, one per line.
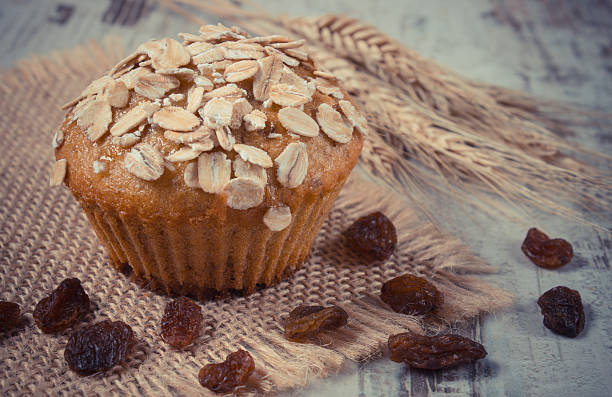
[9, 315]
[545, 252]
[562, 310]
[308, 321]
[434, 352]
[231, 373]
[410, 294]
[98, 347]
[372, 236]
[67, 305]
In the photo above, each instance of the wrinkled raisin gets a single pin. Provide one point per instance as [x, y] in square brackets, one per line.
[98, 347]
[545, 252]
[434, 352]
[562, 310]
[63, 308]
[231, 373]
[372, 236]
[308, 321]
[181, 322]
[9, 315]
[410, 294]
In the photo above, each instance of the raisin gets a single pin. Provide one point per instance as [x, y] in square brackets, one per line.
[308, 321]
[231, 373]
[98, 347]
[9, 315]
[562, 310]
[372, 236]
[181, 322]
[63, 308]
[545, 252]
[434, 352]
[410, 294]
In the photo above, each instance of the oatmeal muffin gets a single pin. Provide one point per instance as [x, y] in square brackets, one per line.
[212, 163]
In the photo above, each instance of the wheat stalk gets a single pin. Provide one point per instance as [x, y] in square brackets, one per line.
[492, 139]
[501, 114]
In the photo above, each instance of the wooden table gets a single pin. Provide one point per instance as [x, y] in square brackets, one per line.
[556, 49]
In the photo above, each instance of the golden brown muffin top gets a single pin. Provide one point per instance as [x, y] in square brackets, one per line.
[223, 108]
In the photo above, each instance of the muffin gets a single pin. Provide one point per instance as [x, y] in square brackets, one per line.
[211, 164]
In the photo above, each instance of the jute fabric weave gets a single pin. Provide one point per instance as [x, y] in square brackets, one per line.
[44, 238]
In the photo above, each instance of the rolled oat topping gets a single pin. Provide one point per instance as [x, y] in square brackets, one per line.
[244, 169]
[201, 96]
[175, 118]
[333, 124]
[298, 122]
[253, 155]
[292, 165]
[243, 193]
[214, 171]
[145, 162]
[58, 139]
[191, 175]
[58, 172]
[240, 70]
[277, 218]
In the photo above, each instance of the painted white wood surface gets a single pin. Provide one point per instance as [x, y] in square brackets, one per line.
[556, 49]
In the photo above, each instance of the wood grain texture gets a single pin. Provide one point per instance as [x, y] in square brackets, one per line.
[554, 49]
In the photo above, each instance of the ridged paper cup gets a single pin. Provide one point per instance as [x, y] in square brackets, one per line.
[199, 255]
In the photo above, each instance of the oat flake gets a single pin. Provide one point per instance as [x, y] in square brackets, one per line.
[118, 94]
[296, 121]
[94, 119]
[175, 118]
[229, 92]
[244, 169]
[214, 171]
[155, 86]
[240, 108]
[58, 139]
[58, 173]
[269, 73]
[292, 165]
[354, 117]
[133, 118]
[203, 82]
[225, 137]
[291, 44]
[194, 99]
[131, 78]
[183, 154]
[218, 111]
[333, 125]
[188, 137]
[256, 120]
[173, 55]
[277, 218]
[243, 193]
[287, 60]
[145, 162]
[287, 95]
[197, 48]
[253, 155]
[191, 175]
[240, 70]
[126, 140]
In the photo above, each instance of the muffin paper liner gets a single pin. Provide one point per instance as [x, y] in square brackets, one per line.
[195, 256]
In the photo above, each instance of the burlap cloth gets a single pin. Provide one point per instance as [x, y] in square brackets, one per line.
[44, 238]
